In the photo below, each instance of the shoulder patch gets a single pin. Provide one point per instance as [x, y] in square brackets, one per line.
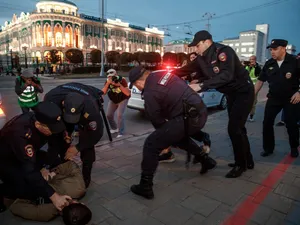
[223, 57]
[86, 115]
[165, 79]
[93, 125]
[29, 150]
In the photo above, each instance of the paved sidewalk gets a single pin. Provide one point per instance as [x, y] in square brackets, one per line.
[269, 194]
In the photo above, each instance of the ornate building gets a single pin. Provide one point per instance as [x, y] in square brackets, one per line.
[56, 24]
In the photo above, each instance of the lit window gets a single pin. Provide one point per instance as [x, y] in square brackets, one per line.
[237, 44]
[251, 49]
[247, 43]
[243, 50]
[230, 45]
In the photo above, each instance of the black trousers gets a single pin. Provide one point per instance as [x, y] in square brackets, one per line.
[239, 107]
[172, 133]
[291, 117]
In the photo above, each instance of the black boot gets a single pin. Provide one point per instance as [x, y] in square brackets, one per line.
[250, 164]
[235, 172]
[294, 152]
[206, 162]
[86, 173]
[144, 189]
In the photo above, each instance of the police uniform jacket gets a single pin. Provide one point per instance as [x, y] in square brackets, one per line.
[284, 80]
[20, 141]
[220, 69]
[163, 95]
[90, 122]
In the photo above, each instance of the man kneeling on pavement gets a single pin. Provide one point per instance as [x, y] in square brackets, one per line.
[65, 179]
[177, 113]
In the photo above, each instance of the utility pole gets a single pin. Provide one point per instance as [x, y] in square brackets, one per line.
[208, 16]
[102, 43]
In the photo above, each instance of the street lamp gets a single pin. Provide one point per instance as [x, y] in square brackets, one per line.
[24, 47]
[102, 43]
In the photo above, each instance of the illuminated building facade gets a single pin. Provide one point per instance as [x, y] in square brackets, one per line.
[56, 24]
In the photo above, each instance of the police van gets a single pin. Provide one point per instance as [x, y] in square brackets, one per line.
[211, 98]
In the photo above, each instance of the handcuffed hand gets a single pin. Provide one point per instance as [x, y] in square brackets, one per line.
[71, 152]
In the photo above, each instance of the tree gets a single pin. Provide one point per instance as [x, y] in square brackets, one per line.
[112, 56]
[126, 57]
[74, 56]
[96, 56]
[53, 56]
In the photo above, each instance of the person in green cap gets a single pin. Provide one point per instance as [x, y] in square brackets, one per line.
[27, 87]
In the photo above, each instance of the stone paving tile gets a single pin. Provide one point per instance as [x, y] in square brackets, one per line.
[201, 204]
[172, 213]
[184, 196]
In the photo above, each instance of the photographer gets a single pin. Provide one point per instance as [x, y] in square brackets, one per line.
[118, 93]
[27, 87]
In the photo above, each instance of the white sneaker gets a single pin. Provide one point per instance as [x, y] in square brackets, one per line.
[120, 135]
[114, 131]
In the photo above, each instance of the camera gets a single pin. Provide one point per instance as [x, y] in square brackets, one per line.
[116, 79]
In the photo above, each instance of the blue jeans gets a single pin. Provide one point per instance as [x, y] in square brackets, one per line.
[120, 108]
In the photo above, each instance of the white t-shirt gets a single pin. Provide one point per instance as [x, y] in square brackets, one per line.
[279, 63]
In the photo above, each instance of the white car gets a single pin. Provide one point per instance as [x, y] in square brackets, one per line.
[211, 98]
[2, 114]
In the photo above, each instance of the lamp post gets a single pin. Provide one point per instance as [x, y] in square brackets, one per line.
[24, 47]
[102, 43]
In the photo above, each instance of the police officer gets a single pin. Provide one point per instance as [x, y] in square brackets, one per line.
[20, 139]
[220, 68]
[80, 105]
[282, 72]
[166, 98]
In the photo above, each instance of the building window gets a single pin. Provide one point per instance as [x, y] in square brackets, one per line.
[247, 43]
[243, 49]
[251, 49]
[230, 45]
[237, 44]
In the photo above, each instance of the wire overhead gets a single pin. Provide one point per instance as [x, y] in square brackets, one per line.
[274, 2]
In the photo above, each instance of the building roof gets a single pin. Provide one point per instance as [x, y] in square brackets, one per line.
[232, 38]
[62, 1]
[181, 41]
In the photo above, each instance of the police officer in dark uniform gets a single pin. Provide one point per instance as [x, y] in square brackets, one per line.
[282, 72]
[167, 100]
[81, 106]
[219, 68]
[21, 138]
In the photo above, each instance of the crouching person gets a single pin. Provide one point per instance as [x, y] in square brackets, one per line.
[177, 114]
[65, 179]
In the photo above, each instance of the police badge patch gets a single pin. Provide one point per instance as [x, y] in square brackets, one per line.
[29, 150]
[216, 69]
[165, 79]
[288, 75]
[223, 57]
[93, 125]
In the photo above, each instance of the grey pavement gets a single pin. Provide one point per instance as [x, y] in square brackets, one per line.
[184, 196]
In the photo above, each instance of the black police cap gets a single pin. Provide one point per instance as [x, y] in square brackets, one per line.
[135, 74]
[201, 35]
[73, 105]
[50, 114]
[278, 42]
